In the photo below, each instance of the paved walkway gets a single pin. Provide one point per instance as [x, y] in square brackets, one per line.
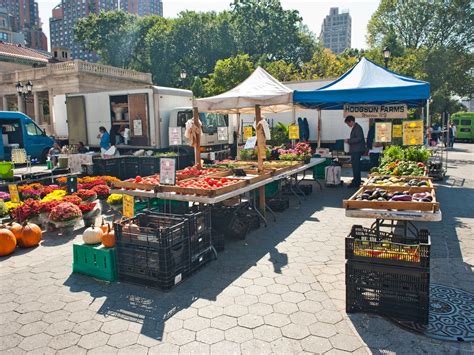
[281, 291]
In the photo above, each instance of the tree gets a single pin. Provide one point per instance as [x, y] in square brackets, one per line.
[228, 73]
[326, 64]
[197, 87]
[282, 70]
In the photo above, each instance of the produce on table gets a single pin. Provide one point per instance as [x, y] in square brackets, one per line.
[207, 183]
[108, 239]
[30, 235]
[383, 195]
[147, 180]
[398, 168]
[7, 241]
[193, 172]
[396, 153]
[92, 235]
[396, 181]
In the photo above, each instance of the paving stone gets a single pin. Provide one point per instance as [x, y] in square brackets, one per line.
[35, 341]
[250, 321]
[194, 348]
[277, 319]
[345, 342]
[123, 339]
[310, 306]
[270, 298]
[76, 306]
[286, 346]
[264, 281]
[255, 290]
[8, 317]
[64, 341]
[27, 307]
[42, 351]
[211, 311]
[277, 289]
[235, 310]
[329, 316]
[295, 331]
[223, 322]
[210, 335]
[9, 341]
[56, 316]
[285, 307]
[323, 330]
[285, 280]
[10, 328]
[302, 318]
[32, 328]
[314, 344]
[293, 297]
[104, 349]
[81, 316]
[246, 300]
[134, 350]
[260, 309]
[255, 346]
[196, 323]
[267, 333]
[180, 337]
[8, 307]
[186, 313]
[225, 347]
[52, 306]
[73, 350]
[87, 327]
[148, 340]
[164, 348]
[238, 334]
[173, 324]
[115, 326]
[93, 340]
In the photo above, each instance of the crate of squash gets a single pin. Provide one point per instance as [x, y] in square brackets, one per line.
[395, 183]
[384, 199]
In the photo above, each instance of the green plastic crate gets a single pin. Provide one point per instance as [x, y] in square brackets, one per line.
[319, 171]
[6, 170]
[271, 189]
[95, 261]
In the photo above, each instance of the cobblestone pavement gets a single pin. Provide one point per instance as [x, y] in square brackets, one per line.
[281, 291]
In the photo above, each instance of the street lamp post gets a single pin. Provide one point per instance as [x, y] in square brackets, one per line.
[183, 75]
[386, 56]
[24, 91]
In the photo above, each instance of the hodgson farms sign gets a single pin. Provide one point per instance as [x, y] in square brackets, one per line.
[376, 111]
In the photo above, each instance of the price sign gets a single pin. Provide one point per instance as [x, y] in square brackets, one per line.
[250, 143]
[168, 171]
[248, 132]
[222, 134]
[71, 185]
[294, 132]
[128, 206]
[383, 132]
[175, 136]
[14, 195]
[413, 132]
[397, 131]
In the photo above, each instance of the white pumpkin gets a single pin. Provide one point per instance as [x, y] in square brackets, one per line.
[92, 235]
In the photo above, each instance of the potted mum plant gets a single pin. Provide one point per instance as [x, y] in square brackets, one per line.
[89, 212]
[65, 215]
[86, 195]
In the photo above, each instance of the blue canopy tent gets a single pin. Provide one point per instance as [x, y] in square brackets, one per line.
[364, 83]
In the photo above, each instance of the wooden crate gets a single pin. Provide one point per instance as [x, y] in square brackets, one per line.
[134, 186]
[352, 203]
[202, 192]
[402, 188]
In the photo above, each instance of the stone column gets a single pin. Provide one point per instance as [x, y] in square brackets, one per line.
[21, 103]
[52, 119]
[5, 103]
[36, 105]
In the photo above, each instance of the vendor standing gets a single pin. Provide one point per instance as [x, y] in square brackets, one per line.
[356, 149]
[104, 139]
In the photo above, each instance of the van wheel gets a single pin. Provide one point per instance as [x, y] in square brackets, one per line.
[44, 156]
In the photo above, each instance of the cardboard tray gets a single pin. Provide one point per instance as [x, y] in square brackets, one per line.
[352, 203]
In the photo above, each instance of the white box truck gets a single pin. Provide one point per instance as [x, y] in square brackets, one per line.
[147, 112]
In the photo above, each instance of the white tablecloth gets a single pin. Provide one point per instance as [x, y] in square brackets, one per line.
[75, 161]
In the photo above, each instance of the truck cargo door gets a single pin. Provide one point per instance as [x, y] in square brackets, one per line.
[138, 111]
[76, 119]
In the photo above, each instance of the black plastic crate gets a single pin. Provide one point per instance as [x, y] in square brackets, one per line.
[367, 245]
[401, 293]
[155, 230]
[108, 166]
[201, 259]
[306, 189]
[199, 222]
[148, 166]
[147, 277]
[200, 243]
[218, 240]
[278, 204]
[130, 167]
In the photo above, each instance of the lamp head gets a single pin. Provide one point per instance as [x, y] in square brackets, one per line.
[183, 74]
[386, 53]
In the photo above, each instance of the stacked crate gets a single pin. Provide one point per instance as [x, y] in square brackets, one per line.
[388, 274]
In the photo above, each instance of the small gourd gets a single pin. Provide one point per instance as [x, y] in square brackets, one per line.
[7, 241]
[15, 228]
[92, 235]
[104, 226]
[108, 240]
[30, 235]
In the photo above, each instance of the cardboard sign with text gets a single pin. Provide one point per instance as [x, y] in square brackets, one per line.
[376, 111]
[294, 132]
[128, 206]
[413, 133]
[168, 171]
[14, 195]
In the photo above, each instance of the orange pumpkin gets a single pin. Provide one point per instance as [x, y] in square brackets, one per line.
[108, 239]
[104, 226]
[7, 241]
[15, 228]
[30, 236]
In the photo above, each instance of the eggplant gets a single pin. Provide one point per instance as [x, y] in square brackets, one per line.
[397, 193]
[426, 199]
[401, 198]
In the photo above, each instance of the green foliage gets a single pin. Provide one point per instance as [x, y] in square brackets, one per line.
[394, 153]
[228, 73]
[279, 135]
[197, 88]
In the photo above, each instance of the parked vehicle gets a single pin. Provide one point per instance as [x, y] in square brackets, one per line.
[20, 131]
[146, 113]
[464, 122]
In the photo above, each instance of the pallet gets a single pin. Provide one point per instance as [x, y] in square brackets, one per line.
[352, 203]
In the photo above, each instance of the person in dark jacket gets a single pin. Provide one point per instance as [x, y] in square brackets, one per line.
[356, 148]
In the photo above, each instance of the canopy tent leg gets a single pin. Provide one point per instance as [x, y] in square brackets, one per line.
[197, 145]
[319, 128]
[261, 150]
[428, 119]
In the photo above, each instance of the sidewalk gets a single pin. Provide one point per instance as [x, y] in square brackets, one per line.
[281, 291]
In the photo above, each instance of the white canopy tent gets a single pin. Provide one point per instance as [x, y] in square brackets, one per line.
[259, 89]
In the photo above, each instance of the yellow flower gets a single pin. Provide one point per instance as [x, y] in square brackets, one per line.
[114, 199]
[12, 205]
[55, 195]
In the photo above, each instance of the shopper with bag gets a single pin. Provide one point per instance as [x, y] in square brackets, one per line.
[356, 149]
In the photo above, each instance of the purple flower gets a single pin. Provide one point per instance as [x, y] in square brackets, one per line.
[4, 196]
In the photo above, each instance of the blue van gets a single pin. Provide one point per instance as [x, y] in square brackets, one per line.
[20, 131]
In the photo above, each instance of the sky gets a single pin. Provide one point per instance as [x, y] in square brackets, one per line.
[313, 12]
